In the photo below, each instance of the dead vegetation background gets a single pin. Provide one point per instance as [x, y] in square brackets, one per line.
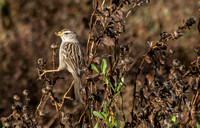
[27, 32]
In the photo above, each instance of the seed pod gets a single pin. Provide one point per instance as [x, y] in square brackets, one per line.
[171, 52]
[176, 62]
[16, 98]
[7, 124]
[49, 88]
[44, 91]
[54, 46]
[25, 92]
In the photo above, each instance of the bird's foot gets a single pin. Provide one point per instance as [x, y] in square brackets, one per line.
[43, 73]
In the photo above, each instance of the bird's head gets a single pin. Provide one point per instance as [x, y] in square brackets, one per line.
[67, 35]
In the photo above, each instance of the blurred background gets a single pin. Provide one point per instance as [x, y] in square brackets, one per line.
[27, 30]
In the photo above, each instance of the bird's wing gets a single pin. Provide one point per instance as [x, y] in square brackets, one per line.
[72, 55]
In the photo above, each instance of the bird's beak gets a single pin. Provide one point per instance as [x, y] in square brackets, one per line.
[59, 34]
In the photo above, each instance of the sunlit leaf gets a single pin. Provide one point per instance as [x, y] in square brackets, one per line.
[122, 79]
[103, 66]
[94, 68]
[173, 119]
[96, 125]
[106, 80]
[120, 84]
[97, 114]
[105, 107]
[198, 125]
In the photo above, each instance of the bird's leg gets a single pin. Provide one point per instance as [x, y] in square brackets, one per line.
[46, 71]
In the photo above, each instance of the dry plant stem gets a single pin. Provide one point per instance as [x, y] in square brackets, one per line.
[56, 104]
[103, 4]
[197, 93]
[90, 110]
[134, 5]
[195, 98]
[47, 71]
[90, 53]
[87, 49]
[54, 101]
[152, 47]
[97, 43]
[65, 96]
[82, 117]
[110, 61]
[95, 7]
[110, 6]
[41, 105]
[134, 88]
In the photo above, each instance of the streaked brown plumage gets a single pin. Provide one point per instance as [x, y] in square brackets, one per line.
[70, 58]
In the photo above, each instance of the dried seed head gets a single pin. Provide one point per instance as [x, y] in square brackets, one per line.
[182, 68]
[197, 50]
[44, 91]
[25, 109]
[25, 92]
[13, 107]
[176, 62]
[171, 52]
[54, 46]
[41, 61]
[49, 87]
[190, 22]
[7, 124]
[26, 117]
[16, 98]
[41, 113]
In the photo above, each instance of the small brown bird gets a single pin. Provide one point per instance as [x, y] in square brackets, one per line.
[70, 58]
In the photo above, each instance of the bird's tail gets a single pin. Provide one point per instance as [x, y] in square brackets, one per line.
[77, 88]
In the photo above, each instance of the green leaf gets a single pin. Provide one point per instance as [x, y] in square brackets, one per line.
[106, 80]
[116, 123]
[105, 107]
[108, 123]
[198, 122]
[3, 124]
[94, 68]
[198, 125]
[103, 25]
[122, 79]
[107, 72]
[120, 84]
[97, 114]
[103, 66]
[96, 125]
[173, 118]
[103, 114]
[158, 116]
[111, 86]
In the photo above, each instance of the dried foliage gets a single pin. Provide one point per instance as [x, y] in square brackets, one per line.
[164, 94]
